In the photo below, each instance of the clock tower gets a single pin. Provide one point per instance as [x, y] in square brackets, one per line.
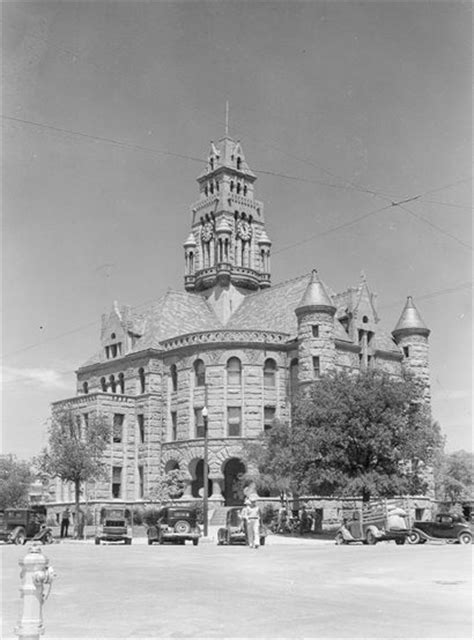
[228, 246]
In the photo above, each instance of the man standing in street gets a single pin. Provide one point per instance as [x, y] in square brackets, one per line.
[253, 523]
[65, 522]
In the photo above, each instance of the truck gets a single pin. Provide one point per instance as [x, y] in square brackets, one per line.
[376, 520]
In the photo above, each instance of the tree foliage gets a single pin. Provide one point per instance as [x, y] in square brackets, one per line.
[75, 450]
[352, 435]
[16, 477]
[455, 477]
[170, 486]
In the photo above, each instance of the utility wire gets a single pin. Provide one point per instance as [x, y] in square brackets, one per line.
[435, 226]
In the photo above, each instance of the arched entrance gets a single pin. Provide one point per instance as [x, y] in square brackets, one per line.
[233, 482]
[198, 481]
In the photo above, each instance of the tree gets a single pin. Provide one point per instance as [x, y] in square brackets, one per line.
[455, 477]
[16, 477]
[75, 452]
[354, 435]
[169, 486]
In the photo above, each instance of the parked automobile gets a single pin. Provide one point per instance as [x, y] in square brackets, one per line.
[376, 521]
[175, 525]
[234, 530]
[19, 525]
[444, 527]
[114, 526]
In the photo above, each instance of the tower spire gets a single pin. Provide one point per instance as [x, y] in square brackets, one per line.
[226, 118]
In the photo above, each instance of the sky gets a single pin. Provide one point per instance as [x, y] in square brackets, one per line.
[342, 108]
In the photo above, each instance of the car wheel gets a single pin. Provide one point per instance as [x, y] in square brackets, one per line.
[182, 526]
[414, 537]
[48, 538]
[465, 538]
[97, 540]
[371, 539]
[20, 538]
[399, 540]
[196, 542]
[339, 539]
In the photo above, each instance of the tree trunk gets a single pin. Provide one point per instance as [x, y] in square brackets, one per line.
[78, 515]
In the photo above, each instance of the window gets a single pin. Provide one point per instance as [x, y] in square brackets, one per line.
[174, 377]
[141, 482]
[85, 387]
[121, 383]
[112, 385]
[116, 482]
[293, 377]
[117, 430]
[316, 367]
[103, 384]
[234, 421]
[315, 330]
[231, 185]
[239, 163]
[245, 189]
[234, 372]
[406, 352]
[174, 425]
[141, 379]
[141, 427]
[199, 373]
[419, 512]
[199, 423]
[269, 373]
[85, 417]
[365, 319]
[268, 418]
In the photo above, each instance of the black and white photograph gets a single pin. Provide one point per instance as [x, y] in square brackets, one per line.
[236, 362]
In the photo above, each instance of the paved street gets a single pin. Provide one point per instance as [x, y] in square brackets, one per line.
[290, 590]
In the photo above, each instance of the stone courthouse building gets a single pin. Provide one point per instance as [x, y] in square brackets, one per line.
[230, 341]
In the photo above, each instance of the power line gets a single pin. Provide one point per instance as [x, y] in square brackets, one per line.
[120, 143]
[449, 204]
[435, 226]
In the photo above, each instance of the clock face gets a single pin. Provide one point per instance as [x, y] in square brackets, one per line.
[244, 230]
[207, 232]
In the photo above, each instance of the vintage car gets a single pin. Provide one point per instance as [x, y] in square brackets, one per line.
[175, 525]
[445, 527]
[19, 525]
[376, 521]
[114, 526]
[234, 530]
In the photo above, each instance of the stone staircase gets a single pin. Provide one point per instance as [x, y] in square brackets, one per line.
[218, 516]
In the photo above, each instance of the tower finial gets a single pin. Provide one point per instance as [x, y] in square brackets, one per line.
[226, 118]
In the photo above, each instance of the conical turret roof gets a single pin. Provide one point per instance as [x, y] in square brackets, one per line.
[191, 241]
[315, 297]
[410, 321]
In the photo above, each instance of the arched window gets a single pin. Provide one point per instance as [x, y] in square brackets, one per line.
[212, 163]
[217, 185]
[85, 387]
[231, 185]
[205, 190]
[269, 373]
[121, 381]
[293, 377]
[112, 385]
[174, 377]
[238, 187]
[239, 163]
[103, 384]
[199, 373]
[211, 187]
[245, 189]
[141, 379]
[234, 372]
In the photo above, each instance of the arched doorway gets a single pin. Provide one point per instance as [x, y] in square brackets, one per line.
[198, 481]
[233, 482]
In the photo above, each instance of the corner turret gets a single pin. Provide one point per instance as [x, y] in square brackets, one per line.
[411, 335]
[316, 345]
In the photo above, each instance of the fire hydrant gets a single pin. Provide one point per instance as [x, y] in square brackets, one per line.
[37, 577]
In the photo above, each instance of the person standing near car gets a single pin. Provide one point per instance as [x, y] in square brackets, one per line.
[253, 523]
[244, 517]
[65, 522]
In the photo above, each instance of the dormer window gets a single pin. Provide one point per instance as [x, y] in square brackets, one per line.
[113, 350]
[239, 163]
